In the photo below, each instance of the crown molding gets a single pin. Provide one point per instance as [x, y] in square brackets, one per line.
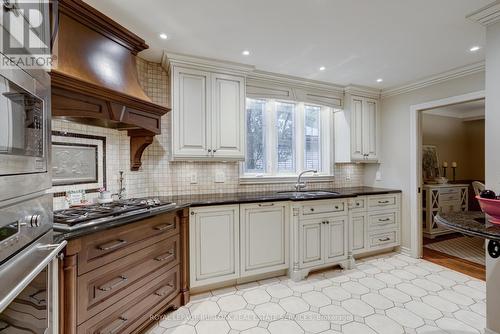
[435, 79]
[296, 82]
[170, 58]
[363, 91]
[487, 15]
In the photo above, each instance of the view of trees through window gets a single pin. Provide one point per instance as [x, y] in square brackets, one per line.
[282, 138]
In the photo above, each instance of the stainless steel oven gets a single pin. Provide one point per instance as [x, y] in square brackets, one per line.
[28, 267]
[24, 132]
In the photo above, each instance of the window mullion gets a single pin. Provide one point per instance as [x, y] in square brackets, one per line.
[300, 138]
[271, 136]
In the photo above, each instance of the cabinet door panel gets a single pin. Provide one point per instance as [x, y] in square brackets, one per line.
[214, 245]
[264, 238]
[191, 111]
[357, 134]
[310, 243]
[370, 129]
[358, 225]
[336, 235]
[228, 116]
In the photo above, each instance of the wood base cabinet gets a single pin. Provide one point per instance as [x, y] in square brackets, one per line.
[117, 280]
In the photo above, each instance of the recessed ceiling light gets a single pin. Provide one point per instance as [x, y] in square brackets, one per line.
[475, 48]
[380, 80]
[163, 36]
[246, 53]
[322, 68]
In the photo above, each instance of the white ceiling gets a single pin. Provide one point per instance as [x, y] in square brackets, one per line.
[467, 110]
[357, 41]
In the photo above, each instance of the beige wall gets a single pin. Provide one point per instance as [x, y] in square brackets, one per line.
[395, 138]
[459, 141]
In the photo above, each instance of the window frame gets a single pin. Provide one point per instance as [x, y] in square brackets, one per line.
[271, 175]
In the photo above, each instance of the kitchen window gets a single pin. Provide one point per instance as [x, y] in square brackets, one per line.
[283, 138]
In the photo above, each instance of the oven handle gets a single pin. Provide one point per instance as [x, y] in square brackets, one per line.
[16, 274]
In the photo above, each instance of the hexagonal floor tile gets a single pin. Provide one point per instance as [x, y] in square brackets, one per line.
[336, 314]
[269, 311]
[443, 281]
[417, 270]
[242, 320]
[403, 274]
[383, 324]
[456, 298]
[411, 290]
[316, 299]
[337, 293]
[358, 307]
[257, 296]
[470, 292]
[204, 309]
[372, 283]
[212, 326]
[312, 322]
[284, 326]
[231, 303]
[441, 304]
[454, 276]
[357, 328]
[427, 285]
[176, 318]
[255, 330]
[182, 329]
[377, 301]
[404, 317]
[395, 295]
[455, 326]
[424, 310]
[294, 305]
[471, 318]
[388, 278]
[279, 291]
[355, 288]
[430, 330]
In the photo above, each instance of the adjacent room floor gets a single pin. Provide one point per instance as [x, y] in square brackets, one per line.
[388, 294]
[457, 252]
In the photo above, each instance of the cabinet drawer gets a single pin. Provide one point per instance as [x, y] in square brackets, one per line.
[323, 207]
[101, 288]
[453, 197]
[383, 220]
[388, 238]
[359, 204]
[101, 248]
[135, 309]
[449, 191]
[383, 201]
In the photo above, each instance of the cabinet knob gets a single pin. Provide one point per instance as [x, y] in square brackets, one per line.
[312, 209]
[215, 151]
[209, 151]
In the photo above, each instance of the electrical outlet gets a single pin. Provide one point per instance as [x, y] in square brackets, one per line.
[378, 176]
[193, 178]
[220, 177]
[348, 177]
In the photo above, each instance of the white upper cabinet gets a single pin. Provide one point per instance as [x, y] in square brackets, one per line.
[228, 116]
[208, 111]
[357, 130]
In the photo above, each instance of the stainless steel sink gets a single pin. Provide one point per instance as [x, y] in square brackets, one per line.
[309, 193]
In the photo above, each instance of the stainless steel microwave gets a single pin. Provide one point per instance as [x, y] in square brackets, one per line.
[24, 132]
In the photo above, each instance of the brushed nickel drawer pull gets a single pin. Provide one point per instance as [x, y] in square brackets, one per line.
[385, 239]
[383, 202]
[336, 207]
[164, 227]
[116, 329]
[384, 220]
[112, 245]
[266, 205]
[120, 279]
[164, 292]
[171, 254]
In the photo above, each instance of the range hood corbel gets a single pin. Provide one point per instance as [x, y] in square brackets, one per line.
[95, 80]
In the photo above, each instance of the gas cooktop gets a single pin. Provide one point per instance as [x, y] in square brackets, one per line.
[85, 216]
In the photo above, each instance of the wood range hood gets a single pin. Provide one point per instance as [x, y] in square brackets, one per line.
[95, 80]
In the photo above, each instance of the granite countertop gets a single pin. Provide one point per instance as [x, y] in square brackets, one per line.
[472, 223]
[185, 201]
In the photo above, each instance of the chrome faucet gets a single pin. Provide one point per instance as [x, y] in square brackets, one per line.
[301, 185]
[122, 189]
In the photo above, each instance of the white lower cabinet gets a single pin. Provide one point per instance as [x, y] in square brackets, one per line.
[310, 243]
[358, 232]
[214, 244]
[336, 239]
[264, 234]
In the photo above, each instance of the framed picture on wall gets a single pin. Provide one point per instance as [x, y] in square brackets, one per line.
[430, 163]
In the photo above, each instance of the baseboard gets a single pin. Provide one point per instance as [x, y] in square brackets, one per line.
[489, 331]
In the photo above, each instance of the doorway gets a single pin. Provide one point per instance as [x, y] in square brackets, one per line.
[416, 171]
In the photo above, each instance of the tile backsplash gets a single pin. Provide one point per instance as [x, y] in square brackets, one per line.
[158, 175]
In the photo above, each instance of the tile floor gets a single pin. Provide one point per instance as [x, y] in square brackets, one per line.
[388, 294]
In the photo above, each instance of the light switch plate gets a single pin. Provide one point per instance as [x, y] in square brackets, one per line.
[378, 176]
[193, 178]
[220, 177]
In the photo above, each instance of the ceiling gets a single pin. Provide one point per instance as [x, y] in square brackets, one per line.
[357, 41]
[465, 111]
